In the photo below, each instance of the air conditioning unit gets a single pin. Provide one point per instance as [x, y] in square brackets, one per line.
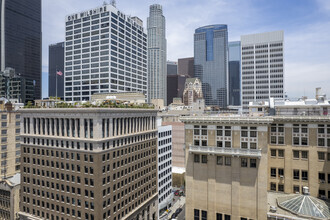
[273, 208]
[322, 181]
[281, 177]
[323, 197]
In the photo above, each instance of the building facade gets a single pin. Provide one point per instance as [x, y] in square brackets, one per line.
[172, 68]
[165, 195]
[186, 67]
[105, 51]
[16, 87]
[211, 62]
[192, 91]
[157, 54]
[56, 63]
[233, 164]
[89, 163]
[20, 39]
[262, 67]
[10, 141]
[175, 87]
[9, 197]
[234, 81]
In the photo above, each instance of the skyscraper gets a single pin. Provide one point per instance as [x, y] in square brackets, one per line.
[262, 67]
[20, 37]
[89, 163]
[156, 54]
[186, 66]
[234, 81]
[56, 62]
[172, 68]
[105, 51]
[211, 58]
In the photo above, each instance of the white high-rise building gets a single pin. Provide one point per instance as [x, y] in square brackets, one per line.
[165, 195]
[157, 69]
[105, 51]
[262, 67]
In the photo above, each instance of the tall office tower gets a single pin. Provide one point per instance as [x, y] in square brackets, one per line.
[10, 140]
[89, 163]
[211, 59]
[175, 87]
[156, 54]
[20, 39]
[246, 167]
[105, 51]
[172, 68]
[262, 67]
[165, 195]
[186, 67]
[56, 63]
[234, 81]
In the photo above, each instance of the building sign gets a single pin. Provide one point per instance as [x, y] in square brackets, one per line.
[87, 13]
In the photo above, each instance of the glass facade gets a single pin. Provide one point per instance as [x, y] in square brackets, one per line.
[56, 62]
[234, 83]
[21, 39]
[210, 64]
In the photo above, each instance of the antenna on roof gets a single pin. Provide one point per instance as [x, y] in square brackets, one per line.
[113, 3]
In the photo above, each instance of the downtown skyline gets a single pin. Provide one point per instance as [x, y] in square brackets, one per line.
[304, 23]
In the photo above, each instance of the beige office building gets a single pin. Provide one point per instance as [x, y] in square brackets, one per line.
[235, 164]
[10, 141]
[89, 163]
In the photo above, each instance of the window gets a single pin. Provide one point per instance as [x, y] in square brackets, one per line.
[304, 175]
[273, 152]
[296, 174]
[273, 172]
[321, 155]
[204, 143]
[296, 154]
[244, 162]
[280, 172]
[196, 158]
[304, 154]
[219, 144]
[253, 163]
[228, 131]
[204, 158]
[196, 130]
[219, 216]
[219, 160]
[204, 215]
[280, 153]
[281, 187]
[322, 177]
[299, 134]
[277, 134]
[204, 130]
[273, 186]
[296, 189]
[228, 161]
[196, 214]
[227, 217]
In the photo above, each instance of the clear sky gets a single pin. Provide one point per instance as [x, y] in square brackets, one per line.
[306, 25]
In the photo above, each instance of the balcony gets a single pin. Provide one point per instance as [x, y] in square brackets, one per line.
[226, 151]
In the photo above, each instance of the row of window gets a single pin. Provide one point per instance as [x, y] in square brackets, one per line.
[226, 160]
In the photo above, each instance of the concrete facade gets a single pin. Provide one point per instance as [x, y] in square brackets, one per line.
[89, 163]
[9, 197]
[165, 195]
[232, 162]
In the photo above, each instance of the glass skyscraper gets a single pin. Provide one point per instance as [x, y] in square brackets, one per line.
[157, 68]
[234, 81]
[20, 39]
[211, 58]
[56, 62]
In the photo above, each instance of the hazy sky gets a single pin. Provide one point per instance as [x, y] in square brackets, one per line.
[306, 25]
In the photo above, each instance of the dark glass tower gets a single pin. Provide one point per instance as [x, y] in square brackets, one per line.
[211, 62]
[234, 81]
[20, 37]
[56, 62]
